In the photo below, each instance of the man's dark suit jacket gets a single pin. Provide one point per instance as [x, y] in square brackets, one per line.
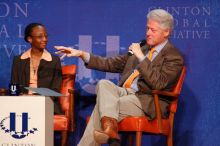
[49, 76]
[161, 74]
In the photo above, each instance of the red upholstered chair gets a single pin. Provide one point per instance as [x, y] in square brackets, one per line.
[3, 91]
[158, 125]
[65, 123]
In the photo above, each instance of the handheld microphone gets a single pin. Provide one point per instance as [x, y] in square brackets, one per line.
[142, 43]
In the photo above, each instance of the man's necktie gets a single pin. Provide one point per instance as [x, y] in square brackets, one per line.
[131, 78]
[150, 55]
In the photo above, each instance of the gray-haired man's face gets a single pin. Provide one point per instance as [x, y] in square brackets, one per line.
[155, 35]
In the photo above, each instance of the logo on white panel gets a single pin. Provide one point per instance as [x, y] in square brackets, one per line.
[10, 125]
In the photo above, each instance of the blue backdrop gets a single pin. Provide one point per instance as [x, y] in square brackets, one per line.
[108, 27]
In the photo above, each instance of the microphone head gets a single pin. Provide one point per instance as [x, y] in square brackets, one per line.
[142, 43]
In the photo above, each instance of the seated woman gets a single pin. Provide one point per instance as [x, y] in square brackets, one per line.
[37, 67]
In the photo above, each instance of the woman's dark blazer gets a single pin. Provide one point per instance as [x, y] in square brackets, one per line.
[49, 76]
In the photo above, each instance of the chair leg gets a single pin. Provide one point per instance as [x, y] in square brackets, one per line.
[130, 140]
[170, 139]
[170, 135]
[138, 138]
[64, 138]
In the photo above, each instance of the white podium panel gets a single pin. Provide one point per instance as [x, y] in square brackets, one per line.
[26, 121]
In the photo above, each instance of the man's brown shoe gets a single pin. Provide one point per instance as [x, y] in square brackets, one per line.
[110, 130]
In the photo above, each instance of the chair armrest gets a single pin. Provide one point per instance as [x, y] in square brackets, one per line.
[69, 76]
[71, 91]
[71, 112]
[165, 93]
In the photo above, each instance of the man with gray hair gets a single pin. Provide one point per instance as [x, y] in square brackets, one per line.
[155, 65]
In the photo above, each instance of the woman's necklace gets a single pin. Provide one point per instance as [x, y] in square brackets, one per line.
[34, 65]
[35, 60]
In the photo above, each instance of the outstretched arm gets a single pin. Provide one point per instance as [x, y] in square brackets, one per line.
[71, 52]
